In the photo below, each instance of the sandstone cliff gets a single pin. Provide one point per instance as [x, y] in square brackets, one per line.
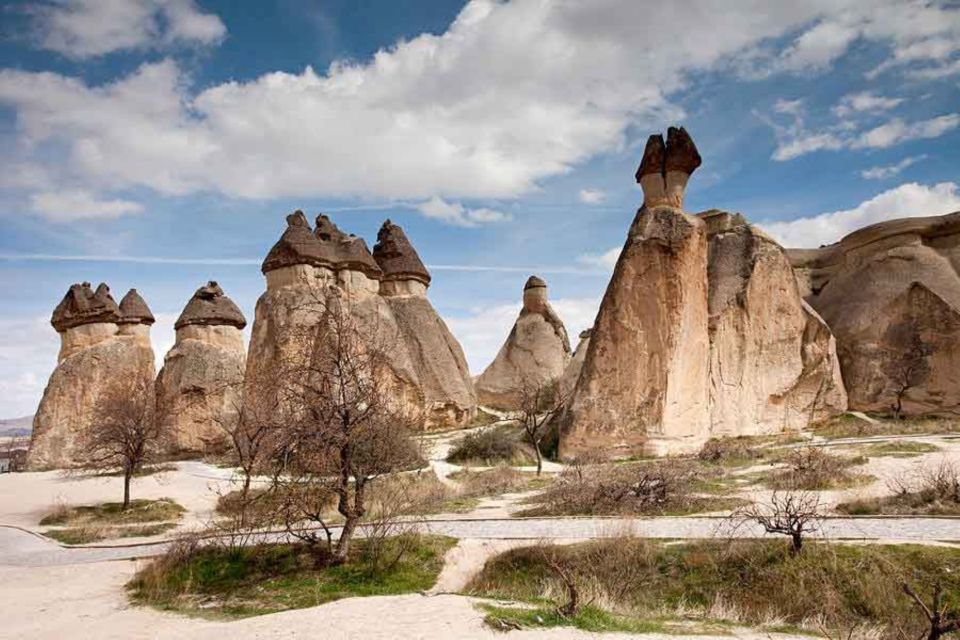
[643, 385]
[104, 350]
[199, 388]
[535, 353]
[890, 293]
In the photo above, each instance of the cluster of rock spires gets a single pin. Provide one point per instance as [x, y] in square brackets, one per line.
[707, 328]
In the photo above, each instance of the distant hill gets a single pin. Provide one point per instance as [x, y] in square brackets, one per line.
[16, 427]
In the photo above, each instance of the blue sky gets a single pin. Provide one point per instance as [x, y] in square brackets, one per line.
[159, 143]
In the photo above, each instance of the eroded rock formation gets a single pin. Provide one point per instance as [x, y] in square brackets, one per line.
[572, 373]
[535, 353]
[306, 267]
[105, 352]
[643, 385]
[773, 363]
[199, 388]
[890, 293]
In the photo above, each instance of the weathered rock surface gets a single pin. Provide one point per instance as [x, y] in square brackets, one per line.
[643, 384]
[773, 364]
[572, 373]
[437, 358]
[199, 389]
[890, 293]
[535, 353]
[304, 269]
[98, 358]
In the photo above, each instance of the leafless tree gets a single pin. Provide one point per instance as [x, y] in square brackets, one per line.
[554, 561]
[540, 402]
[793, 514]
[939, 616]
[344, 426]
[908, 366]
[123, 437]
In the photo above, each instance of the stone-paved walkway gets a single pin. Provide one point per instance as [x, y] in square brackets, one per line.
[21, 548]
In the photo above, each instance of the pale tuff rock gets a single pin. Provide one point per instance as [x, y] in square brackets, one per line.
[104, 349]
[536, 352]
[890, 293]
[441, 368]
[572, 373]
[306, 270]
[773, 364]
[199, 388]
[644, 380]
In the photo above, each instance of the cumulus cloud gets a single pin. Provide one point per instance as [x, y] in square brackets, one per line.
[891, 170]
[483, 332]
[897, 131]
[451, 115]
[71, 205]
[28, 353]
[88, 28]
[605, 260]
[864, 101]
[906, 201]
[591, 196]
[456, 214]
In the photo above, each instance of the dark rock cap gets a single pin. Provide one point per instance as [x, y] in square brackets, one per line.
[298, 245]
[586, 333]
[397, 257]
[82, 305]
[534, 282]
[209, 306]
[134, 309]
[349, 251]
[678, 154]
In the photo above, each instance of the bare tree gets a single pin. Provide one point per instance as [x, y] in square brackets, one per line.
[345, 425]
[793, 514]
[941, 620]
[124, 436]
[908, 367]
[540, 402]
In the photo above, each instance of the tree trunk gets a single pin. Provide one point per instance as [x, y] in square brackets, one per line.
[126, 490]
[536, 449]
[797, 540]
[343, 544]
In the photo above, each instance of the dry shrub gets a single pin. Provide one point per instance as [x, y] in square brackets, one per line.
[739, 450]
[490, 446]
[812, 469]
[660, 487]
[932, 490]
[491, 482]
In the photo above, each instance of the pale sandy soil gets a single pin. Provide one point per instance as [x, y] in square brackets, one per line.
[89, 604]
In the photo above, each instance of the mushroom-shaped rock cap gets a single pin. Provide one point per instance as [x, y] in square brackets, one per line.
[347, 251]
[134, 309]
[83, 305]
[397, 257]
[534, 282]
[209, 306]
[298, 245]
[678, 154]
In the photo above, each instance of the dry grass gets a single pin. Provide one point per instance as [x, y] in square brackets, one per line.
[745, 582]
[662, 487]
[933, 490]
[813, 469]
[91, 533]
[112, 513]
[848, 426]
[491, 446]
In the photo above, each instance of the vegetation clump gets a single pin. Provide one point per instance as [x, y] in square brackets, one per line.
[489, 447]
[109, 513]
[743, 582]
[933, 491]
[217, 581]
[737, 451]
[813, 469]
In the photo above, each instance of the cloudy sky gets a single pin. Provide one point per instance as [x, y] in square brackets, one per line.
[159, 143]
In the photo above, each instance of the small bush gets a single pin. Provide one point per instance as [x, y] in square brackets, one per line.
[813, 469]
[730, 451]
[489, 447]
[932, 491]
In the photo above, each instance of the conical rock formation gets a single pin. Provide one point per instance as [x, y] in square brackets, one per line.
[199, 388]
[536, 352]
[104, 351]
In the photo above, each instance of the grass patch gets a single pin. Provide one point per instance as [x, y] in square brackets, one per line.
[249, 581]
[898, 449]
[491, 446]
[95, 533]
[588, 618]
[742, 582]
[848, 426]
[112, 513]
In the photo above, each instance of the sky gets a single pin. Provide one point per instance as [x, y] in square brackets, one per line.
[159, 144]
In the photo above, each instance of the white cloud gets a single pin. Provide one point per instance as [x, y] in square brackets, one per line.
[483, 333]
[807, 143]
[897, 131]
[456, 214]
[906, 201]
[864, 101]
[591, 196]
[28, 353]
[72, 205]
[450, 115]
[88, 28]
[889, 171]
[605, 260]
